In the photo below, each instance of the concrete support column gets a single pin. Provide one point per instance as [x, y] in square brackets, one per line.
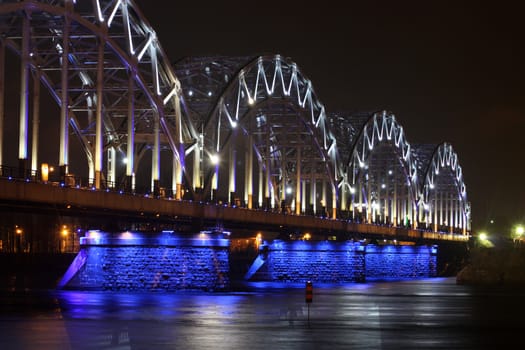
[179, 161]
[155, 161]
[303, 196]
[261, 185]
[232, 172]
[24, 96]
[298, 183]
[98, 127]
[324, 195]
[369, 208]
[395, 216]
[435, 208]
[36, 123]
[440, 207]
[64, 100]
[130, 149]
[2, 101]
[313, 193]
[111, 161]
[197, 152]
[249, 173]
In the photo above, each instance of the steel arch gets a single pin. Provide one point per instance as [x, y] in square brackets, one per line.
[444, 178]
[99, 51]
[258, 88]
[381, 129]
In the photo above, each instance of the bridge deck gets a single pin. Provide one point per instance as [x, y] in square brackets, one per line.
[88, 200]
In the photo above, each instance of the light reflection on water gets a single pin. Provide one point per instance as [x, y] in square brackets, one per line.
[414, 314]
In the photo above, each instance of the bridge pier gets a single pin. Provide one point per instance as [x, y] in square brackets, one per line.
[166, 261]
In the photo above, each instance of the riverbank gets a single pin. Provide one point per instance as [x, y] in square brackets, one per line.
[494, 266]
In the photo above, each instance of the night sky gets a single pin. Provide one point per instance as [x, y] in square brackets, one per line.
[449, 71]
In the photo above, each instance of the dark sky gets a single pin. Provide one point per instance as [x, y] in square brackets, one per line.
[449, 71]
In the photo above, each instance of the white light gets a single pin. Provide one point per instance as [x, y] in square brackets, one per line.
[125, 160]
[288, 190]
[251, 101]
[209, 93]
[383, 185]
[234, 124]
[190, 93]
[352, 190]
[483, 236]
[431, 186]
[361, 164]
[390, 172]
[214, 159]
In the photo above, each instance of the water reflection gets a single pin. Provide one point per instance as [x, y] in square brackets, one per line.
[426, 314]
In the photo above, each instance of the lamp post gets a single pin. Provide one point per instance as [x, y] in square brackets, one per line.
[65, 233]
[18, 238]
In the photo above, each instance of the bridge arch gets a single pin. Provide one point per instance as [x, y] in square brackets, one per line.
[381, 177]
[270, 108]
[444, 192]
[104, 66]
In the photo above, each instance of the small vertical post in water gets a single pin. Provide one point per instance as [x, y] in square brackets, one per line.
[309, 295]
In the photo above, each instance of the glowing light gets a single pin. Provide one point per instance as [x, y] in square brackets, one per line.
[383, 186]
[209, 93]
[190, 93]
[483, 236]
[214, 158]
[390, 172]
[520, 230]
[126, 235]
[234, 124]
[125, 160]
[307, 236]
[251, 101]
[288, 190]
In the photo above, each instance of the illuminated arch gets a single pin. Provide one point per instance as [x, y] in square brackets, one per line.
[270, 106]
[382, 173]
[85, 52]
[444, 192]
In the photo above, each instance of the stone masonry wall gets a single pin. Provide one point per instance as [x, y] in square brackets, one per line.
[165, 268]
[336, 262]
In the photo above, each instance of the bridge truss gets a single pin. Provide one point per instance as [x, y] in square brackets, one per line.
[247, 131]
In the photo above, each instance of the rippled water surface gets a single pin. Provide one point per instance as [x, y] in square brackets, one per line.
[418, 314]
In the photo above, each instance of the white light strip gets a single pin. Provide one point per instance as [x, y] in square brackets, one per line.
[170, 95]
[113, 13]
[99, 12]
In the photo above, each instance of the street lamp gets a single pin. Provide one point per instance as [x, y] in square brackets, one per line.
[65, 233]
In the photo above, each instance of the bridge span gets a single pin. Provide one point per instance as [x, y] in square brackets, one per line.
[190, 215]
[100, 100]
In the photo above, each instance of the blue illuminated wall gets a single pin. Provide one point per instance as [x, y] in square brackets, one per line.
[400, 261]
[322, 261]
[335, 262]
[133, 261]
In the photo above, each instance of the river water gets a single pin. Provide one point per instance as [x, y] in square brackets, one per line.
[431, 313]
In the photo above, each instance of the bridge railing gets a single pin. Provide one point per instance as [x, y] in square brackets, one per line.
[54, 178]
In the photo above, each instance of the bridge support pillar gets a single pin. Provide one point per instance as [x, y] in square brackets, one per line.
[156, 188]
[98, 179]
[22, 168]
[128, 185]
[62, 172]
[178, 193]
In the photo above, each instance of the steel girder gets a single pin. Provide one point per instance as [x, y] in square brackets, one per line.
[134, 68]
